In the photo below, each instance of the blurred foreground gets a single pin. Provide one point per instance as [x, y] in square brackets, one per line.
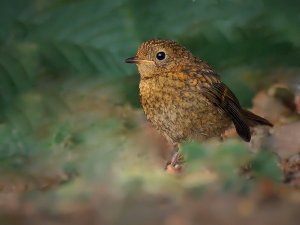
[101, 163]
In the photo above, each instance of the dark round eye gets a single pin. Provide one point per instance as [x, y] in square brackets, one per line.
[161, 55]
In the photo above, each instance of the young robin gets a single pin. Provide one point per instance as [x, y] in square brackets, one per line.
[184, 98]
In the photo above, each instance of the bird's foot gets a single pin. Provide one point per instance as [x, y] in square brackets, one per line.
[175, 165]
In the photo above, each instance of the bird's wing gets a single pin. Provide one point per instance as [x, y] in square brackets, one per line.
[201, 70]
[220, 95]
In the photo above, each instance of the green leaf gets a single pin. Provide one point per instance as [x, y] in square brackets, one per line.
[265, 165]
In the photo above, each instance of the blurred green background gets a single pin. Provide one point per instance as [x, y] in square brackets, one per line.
[62, 39]
[69, 105]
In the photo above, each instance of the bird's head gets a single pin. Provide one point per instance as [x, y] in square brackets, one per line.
[157, 56]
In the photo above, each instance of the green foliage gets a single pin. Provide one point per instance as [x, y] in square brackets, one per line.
[265, 166]
[228, 159]
[225, 156]
[61, 38]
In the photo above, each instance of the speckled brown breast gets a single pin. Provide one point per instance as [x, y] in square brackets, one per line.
[175, 106]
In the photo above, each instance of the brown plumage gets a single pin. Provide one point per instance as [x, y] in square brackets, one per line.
[184, 98]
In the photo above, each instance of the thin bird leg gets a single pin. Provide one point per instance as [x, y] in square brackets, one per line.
[177, 158]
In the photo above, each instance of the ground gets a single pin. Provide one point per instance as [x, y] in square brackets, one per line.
[94, 160]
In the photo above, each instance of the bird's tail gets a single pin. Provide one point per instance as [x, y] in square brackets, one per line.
[245, 120]
[254, 119]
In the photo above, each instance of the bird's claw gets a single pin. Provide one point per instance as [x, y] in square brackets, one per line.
[175, 165]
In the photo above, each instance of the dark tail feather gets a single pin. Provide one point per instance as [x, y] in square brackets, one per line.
[244, 119]
[242, 129]
[239, 120]
[254, 119]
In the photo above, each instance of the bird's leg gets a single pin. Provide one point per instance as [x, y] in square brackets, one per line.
[177, 159]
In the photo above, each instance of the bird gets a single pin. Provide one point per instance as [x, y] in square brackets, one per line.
[184, 98]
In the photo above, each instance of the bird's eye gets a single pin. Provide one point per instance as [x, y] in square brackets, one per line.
[161, 55]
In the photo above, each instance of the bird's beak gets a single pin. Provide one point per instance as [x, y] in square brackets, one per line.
[136, 60]
[132, 60]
